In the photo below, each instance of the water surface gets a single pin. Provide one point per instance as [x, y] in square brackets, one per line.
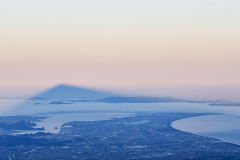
[53, 122]
[222, 127]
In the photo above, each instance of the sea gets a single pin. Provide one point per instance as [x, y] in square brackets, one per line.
[223, 122]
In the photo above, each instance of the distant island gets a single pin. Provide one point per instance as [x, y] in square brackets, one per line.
[224, 104]
[38, 98]
[60, 102]
[139, 99]
[145, 99]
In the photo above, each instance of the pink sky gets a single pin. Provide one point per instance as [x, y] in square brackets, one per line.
[120, 44]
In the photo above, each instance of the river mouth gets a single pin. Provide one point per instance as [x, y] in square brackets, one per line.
[223, 127]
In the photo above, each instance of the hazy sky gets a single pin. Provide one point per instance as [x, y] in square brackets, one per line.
[113, 43]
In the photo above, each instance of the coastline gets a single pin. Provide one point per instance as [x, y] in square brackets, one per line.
[178, 125]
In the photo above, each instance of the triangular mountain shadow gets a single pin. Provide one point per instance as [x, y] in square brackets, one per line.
[72, 92]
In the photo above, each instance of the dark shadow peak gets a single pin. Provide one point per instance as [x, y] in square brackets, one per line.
[64, 91]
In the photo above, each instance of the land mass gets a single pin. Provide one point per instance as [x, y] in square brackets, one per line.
[146, 99]
[147, 136]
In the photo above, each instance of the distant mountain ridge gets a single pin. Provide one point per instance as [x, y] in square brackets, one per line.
[138, 99]
[145, 99]
[71, 92]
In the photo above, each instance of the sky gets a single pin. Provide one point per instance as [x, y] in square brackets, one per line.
[144, 45]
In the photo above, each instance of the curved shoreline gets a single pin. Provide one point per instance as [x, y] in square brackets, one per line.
[205, 134]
